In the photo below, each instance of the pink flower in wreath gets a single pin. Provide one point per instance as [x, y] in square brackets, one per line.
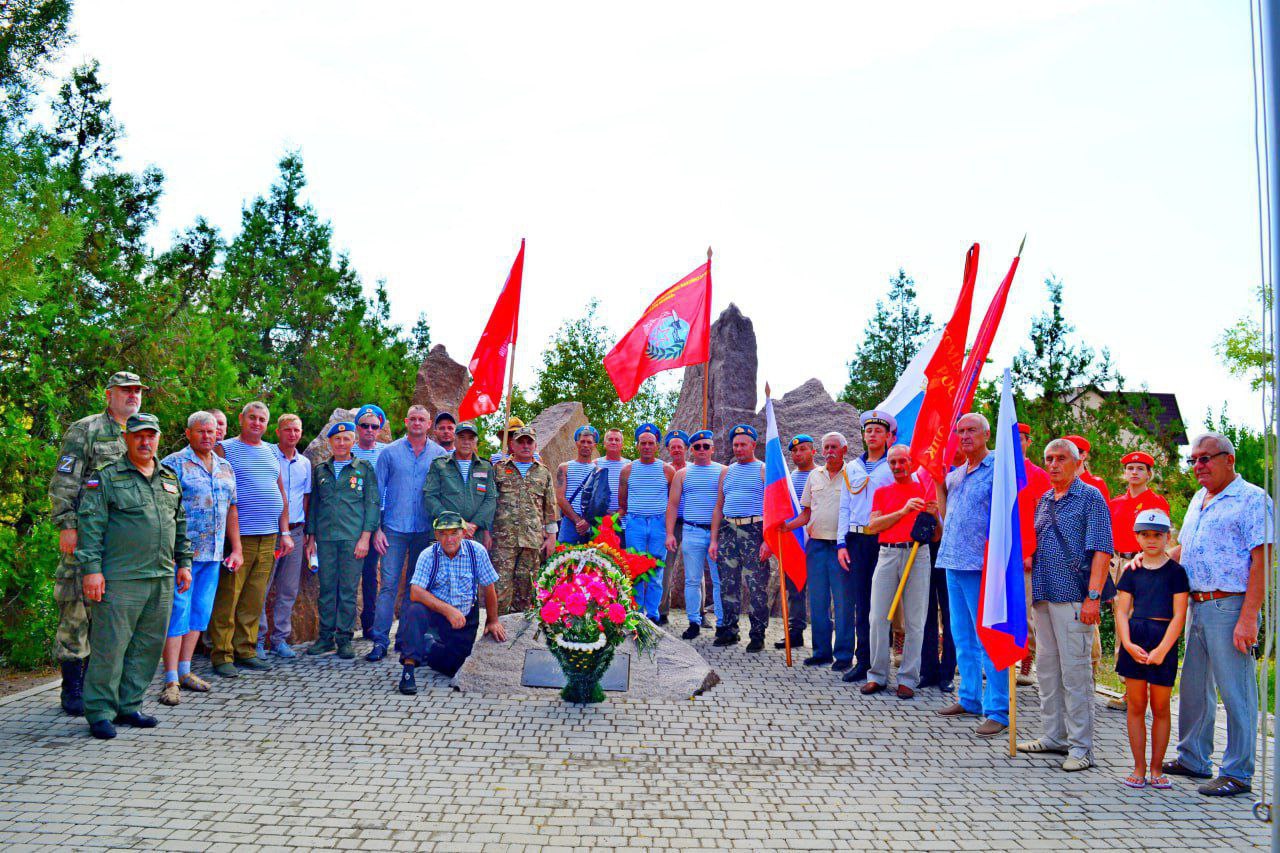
[576, 603]
[544, 594]
[563, 591]
[617, 613]
[550, 612]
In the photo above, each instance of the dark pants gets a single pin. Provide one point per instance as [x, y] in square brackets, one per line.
[369, 589]
[932, 670]
[864, 553]
[427, 638]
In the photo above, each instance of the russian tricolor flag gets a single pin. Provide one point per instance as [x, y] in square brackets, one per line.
[1002, 606]
[781, 505]
[906, 398]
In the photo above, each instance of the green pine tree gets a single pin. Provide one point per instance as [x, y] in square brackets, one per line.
[892, 337]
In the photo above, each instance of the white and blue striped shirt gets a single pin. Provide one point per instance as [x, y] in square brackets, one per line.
[258, 499]
[647, 489]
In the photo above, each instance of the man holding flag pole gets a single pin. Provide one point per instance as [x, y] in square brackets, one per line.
[781, 507]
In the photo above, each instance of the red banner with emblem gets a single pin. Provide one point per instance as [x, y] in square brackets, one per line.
[488, 364]
[674, 331]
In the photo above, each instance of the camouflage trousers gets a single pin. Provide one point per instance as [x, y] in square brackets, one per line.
[516, 568]
[72, 639]
[738, 556]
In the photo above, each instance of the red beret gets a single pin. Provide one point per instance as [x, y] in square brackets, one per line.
[1081, 443]
[1138, 456]
[1025, 429]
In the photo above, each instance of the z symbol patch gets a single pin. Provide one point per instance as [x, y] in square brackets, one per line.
[66, 464]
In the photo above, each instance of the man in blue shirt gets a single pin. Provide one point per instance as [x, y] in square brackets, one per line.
[402, 469]
[446, 580]
[966, 507]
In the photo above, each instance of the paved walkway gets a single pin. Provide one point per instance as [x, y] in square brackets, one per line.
[325, 754]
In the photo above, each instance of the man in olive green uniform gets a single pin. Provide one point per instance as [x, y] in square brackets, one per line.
[132, 543]
[463, 483]
[343, 514]
[88, 444]
[524, 524]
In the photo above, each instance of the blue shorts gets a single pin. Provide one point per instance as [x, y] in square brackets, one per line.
[191, 609]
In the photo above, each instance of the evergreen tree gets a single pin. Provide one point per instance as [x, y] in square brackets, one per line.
[892, 337]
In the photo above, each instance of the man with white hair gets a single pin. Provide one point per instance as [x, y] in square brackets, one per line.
[1223, 546]
[1069, 572]
[828, 584]
[966, 506]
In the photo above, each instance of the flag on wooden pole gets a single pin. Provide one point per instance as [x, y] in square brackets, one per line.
[488, 364]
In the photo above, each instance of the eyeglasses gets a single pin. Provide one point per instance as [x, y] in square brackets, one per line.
[368, 426]
[1204, 459]
[702, 445]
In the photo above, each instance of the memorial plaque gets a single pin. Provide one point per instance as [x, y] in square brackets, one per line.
[541, 669]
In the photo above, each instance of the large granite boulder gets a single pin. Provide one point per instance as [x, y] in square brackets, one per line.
[674, 672]
[441, 382]
[810, 409]
[731, 395]
[555, 426]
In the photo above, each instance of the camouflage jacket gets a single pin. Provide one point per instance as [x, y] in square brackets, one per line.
[89, 444]
[526, 505]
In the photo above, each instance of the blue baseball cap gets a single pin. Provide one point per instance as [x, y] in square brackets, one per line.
[340, 426]
[673, 435]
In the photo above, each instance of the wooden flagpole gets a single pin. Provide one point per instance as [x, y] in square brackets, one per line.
[782, 572]
[706, 367]
[902, 584]
[1013, 710]
[511, 378]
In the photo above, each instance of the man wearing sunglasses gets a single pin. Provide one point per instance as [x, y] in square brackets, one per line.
[1222, 545]
[370, 420]
[691, 504]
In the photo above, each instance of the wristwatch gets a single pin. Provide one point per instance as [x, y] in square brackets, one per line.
[1094, 595]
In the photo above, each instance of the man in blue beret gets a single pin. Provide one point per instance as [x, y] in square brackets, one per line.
[644, 490]
[692, 503]
[571, 481]
[677, 446]
[802, 453]
[369, 421]
[737, 541]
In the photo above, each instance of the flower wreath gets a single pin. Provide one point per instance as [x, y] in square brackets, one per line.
[584, 601]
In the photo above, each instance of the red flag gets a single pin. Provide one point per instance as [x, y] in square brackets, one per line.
[942, 375]
[488, 364]
[674, 331]
[978, 356]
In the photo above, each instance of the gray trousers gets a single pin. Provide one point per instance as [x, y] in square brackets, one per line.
[286, 577]
[915, 601]
[1064, 668]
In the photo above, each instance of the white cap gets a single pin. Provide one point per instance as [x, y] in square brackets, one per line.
[1151, 519]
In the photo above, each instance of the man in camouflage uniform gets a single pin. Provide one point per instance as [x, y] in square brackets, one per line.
[88, 444]
[524, 524]
[737, 542]
[133, 551]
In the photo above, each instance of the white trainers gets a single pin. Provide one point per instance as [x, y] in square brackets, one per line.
[1071, 765]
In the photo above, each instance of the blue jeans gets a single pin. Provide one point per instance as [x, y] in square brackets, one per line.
[368, 588]
[569, 534]
[1213, 660]
[829, 590]
[648, 533]
[963, 590]
[693, 549]
[401, 548]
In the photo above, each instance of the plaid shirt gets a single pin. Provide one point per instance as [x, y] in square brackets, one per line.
[455, 580]
[1085, 524]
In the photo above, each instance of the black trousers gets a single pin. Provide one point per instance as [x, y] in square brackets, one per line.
[937, 666]
[369, 587]
[864, 552]
[447, 650]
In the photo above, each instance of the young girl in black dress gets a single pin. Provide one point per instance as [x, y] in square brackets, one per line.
[1150, 609]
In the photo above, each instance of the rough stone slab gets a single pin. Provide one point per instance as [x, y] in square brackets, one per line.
[555, 426]
[441, 382]
[675, 671]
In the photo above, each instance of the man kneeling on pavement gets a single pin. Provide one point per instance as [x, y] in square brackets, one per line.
[439, 626]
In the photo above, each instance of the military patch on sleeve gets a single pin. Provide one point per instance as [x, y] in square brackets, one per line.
[92, 482]
[66, 464]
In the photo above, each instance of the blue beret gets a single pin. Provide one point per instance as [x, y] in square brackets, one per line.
[648, 429]
[577, 433]
[702, 435]
[799, 440]
[340, 426]
[371, 409]
[744, 429]
[673, 435]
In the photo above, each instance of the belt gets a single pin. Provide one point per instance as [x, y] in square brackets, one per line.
[744, 520]
[1210, 596]
[697, 524]
[858, 528]
[895, 544]
[819, 539]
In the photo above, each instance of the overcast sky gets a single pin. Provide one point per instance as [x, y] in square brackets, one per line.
[817, 147]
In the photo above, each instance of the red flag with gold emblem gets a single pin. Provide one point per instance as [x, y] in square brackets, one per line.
[674, 331]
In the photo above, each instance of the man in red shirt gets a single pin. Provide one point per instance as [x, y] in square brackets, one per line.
[1037, 484]
[893, 513]
[1082, 444]
[1138, 468]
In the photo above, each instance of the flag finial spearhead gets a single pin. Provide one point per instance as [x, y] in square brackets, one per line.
[708, 254]
[766, 390]
[1022, 244]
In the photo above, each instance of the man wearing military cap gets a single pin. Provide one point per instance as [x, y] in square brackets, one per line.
[439, 625]
[508, 436]
[445, 428]
[1085, 474]
[87, 445]
[644, 488]
[737, 541]
[132, 548]
[677, 445]
[571, 482]
[341, 519]
[524, 523]
[695, 490]
[802, 452]
[461, 483]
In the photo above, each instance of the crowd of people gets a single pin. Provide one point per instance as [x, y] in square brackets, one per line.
[156, 552]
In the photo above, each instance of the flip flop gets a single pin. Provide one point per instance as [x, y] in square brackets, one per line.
[1162, 782]
[1135, 781]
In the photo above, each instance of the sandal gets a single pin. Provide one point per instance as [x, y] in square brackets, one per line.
[1133, 780]
[1162, 782]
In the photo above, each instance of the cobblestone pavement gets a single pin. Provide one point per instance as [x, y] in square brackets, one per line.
[325, 754]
